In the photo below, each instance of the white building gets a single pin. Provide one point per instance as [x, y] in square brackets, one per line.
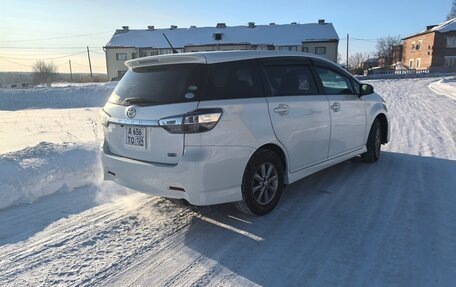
[320, 38]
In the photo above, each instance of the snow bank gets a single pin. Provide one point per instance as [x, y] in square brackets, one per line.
[402, 76]
[62, 97]
[46, 168]
[446, 87]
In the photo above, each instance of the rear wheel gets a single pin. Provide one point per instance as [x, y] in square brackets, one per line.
[374, 142]
[262, 183]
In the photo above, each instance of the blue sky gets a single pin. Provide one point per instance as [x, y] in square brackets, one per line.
[24, 21]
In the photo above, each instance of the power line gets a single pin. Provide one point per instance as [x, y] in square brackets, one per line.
[82, 65]
[56, 38]
[96, 52]
[47, 48]
[12, 62]
[42, 59]
[366, 40]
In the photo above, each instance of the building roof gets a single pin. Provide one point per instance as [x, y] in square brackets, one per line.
[287, 34]
[214, 57]
[447, 26]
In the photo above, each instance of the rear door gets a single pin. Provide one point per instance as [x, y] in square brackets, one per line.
[299, 114]
[143, 97]
[347, 110]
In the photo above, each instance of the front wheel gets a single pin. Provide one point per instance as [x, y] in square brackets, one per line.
[374, 142]
[262, 183]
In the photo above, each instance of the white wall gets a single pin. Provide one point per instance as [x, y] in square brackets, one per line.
[113, 65]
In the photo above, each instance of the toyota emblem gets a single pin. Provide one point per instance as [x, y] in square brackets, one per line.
[131, 112]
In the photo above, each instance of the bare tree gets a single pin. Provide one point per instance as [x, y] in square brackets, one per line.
[357, 59]
[385, 48]
[44, 73]
[452, 13]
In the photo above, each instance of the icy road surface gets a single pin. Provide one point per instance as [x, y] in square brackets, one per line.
[392, 223]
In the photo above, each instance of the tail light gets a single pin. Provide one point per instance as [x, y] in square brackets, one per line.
[198, 121]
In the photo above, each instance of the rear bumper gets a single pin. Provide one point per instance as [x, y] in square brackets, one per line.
[208, 174]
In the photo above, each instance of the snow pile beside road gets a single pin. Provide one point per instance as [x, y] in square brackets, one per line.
[446, 87]
[44, 169]
[67, 96]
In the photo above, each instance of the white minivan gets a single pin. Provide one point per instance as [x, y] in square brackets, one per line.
[217, 127]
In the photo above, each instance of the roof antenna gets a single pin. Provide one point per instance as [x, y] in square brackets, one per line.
[174, 50]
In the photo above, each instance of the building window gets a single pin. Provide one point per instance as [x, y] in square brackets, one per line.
[413, 46]
[451, 42]
[450, 61]
[166, 51]
[218, 36]
[418, 46]
[418, 63]
[411, 64]
[120, 74]
[288, 48]
[305, 49]
[121, 56]
[320, 50]
[143, 54]
[154, 53]
[134, 55]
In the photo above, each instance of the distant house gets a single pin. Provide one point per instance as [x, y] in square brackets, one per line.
[319, 38]
[433, 48]
[370, 63]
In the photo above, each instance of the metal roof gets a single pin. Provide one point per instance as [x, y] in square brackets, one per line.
[273, 34]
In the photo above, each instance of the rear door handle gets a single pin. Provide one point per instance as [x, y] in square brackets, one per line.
[282, 109]
[335, 107]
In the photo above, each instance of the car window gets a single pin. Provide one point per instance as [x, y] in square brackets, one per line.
[234, 80]
[157, 85]
[287, 80]
[334, 83]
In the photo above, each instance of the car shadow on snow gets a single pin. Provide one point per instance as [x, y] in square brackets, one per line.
[356, 224]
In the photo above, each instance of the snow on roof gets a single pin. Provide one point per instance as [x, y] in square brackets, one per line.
[447, 26]
[288, 34]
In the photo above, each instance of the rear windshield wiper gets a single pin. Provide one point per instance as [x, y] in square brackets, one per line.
[137, 100]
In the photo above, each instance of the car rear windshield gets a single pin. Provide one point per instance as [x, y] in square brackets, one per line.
[158, 85]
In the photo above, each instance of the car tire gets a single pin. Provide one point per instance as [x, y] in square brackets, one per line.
[262, 183]
[374, 142]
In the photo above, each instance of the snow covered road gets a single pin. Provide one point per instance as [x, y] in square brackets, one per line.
[392, 223]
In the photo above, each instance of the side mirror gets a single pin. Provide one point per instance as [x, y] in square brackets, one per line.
[366, 89]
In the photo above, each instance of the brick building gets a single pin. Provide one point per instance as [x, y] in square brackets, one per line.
[433, 48]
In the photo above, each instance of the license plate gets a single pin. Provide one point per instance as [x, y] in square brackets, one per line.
[136, 136]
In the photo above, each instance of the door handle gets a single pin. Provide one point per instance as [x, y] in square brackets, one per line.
[335, 107]
[282, 109]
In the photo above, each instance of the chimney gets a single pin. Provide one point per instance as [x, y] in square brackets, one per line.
[321, 21]
[220, 25]
[173, 27]
[251, 24]
[430, 27]
[151, 28]
[125, 28]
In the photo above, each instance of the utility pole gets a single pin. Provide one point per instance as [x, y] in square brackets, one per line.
[90, 64]
[71, 71]
[348, 41]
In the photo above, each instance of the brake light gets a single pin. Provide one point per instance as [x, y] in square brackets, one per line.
[198, 121]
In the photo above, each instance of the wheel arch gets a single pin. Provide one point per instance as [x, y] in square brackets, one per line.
[278, 151]
[385, 128]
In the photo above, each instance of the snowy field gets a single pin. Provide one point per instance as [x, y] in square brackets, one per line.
[392, 223]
